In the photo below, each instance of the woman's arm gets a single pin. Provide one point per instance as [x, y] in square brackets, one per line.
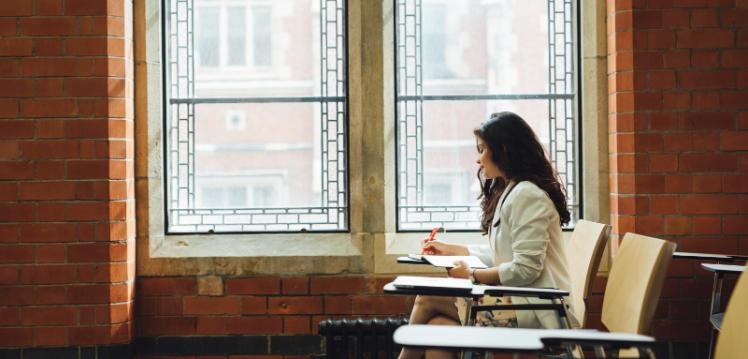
[444, 249]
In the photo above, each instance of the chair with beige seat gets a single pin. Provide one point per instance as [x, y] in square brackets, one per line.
[732, 342]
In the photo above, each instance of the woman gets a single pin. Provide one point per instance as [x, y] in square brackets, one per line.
[524, 207]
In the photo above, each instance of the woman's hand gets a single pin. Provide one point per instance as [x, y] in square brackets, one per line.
[460, 270]
[440, 248]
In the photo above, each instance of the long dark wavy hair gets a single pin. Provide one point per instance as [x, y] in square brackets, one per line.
[518, 154]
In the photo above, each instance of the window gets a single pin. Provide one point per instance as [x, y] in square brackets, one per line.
[233, 33]
[286, 170]
[456, 63]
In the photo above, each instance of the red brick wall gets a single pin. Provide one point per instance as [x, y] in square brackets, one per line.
[678, 101]
[66, 183]
[259, 305]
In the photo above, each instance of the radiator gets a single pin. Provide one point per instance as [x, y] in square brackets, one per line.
[361, 338]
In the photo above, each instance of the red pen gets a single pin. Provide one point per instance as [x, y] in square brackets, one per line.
[431, 237]
[432, 234]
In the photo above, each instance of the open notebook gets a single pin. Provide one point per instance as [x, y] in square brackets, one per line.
[448, 261]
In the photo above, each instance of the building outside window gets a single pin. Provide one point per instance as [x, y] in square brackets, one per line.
[282, 66]
[456, 63]
[255, 127]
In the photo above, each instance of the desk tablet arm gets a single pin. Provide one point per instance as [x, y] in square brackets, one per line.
[542, 293]
[514, 340]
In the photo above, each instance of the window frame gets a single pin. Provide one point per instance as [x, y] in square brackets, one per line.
[576, 104]
[323, 100]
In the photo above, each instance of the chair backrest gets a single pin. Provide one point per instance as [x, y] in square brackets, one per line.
[635, 282]
[584, 251]
[733, 336]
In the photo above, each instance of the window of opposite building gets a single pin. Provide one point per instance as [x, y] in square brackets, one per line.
[256, 116]
[456, 62]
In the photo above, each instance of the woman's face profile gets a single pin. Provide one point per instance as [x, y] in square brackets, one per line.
[488, 167]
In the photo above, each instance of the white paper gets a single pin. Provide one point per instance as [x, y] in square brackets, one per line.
[405, 281]
[449, 261]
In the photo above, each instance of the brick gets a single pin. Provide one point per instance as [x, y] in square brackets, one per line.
[51, 88]
[649, 225]
[49, 274]
[295, 285]
[677, 225]
[48, 47]
[297, 325]
[49, 26]
[16, 87]
[16, 254]
[678, 184]
[239, 325]
[87, 87]
[167, 286]
[50, 254]
[733, 17]
[86, 211]
[48, 7]
[337, 284]
[50, 336]
[661, 79]
[49, 232]
[49, 108]
[734, 99]
[45, 295]
[51, 211]
[16, 129]
[89, 335]
[706, 79]
[9, 108]
[9, 316]
[152, 326]
[675, 18]
[49, 170]
[52, 129]
[8, 192]
[734, 141]
[17, 212]
[735, 225]
[704, 162]
[706, 225]
[85, 7]
[704, 100]
[253, 286]
[735, 183]
[705, 38]
[676, 100]
[47, 190]
[338, 304]
[15, 295]
[704, 18]
[212, 305]
[88, 46]
[706, 184]
[663, 163]
[708, 204]
[49, 316]
[88, 169]
[10, 67]
[660, 39]
[295, 305]
[41, 149]
[16, 46]
[8, 275]
[376, 304]
[88, 253]
[16, 8]
[48, 66]
[254, 305]
[15, 337]
[9, 150]
[705, 59]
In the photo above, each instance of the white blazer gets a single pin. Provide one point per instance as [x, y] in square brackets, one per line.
[528, 249]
